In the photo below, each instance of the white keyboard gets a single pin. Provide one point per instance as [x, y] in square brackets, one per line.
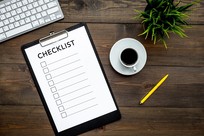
[20, 16]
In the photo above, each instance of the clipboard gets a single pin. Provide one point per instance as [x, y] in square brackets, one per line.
[71, 82]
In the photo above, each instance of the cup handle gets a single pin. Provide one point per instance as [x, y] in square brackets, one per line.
[134, 68]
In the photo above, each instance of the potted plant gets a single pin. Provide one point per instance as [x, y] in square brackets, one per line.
[162, 17]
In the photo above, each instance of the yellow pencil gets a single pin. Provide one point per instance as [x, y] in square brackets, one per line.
[153, 89]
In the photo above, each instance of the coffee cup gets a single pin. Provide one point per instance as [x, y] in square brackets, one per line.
[129, 58]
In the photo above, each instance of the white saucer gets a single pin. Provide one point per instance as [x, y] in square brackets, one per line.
[121, 45]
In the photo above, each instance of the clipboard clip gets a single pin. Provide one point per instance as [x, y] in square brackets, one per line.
[53, 37]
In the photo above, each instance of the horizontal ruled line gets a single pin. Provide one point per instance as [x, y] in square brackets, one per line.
[75, 90]
[62, 59]
[65, 65]
[70, 78]
[78, 97]
[83, 109]
[73, 84]
[80, 103]
[67, 71]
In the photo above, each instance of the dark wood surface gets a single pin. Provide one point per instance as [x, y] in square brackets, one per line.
[176, 108]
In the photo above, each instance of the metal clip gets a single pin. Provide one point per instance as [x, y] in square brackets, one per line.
[53, 37]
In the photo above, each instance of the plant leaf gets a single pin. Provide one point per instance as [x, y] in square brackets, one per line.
[162, 17]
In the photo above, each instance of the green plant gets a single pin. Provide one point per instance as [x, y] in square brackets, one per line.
[162, 17]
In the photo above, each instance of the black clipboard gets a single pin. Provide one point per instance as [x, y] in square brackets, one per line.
[75, 93]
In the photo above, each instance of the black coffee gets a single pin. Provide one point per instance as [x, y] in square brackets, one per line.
[129, 56]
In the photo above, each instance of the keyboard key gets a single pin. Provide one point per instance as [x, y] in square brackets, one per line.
[44, 7]
[30, 1]
[2, 5]
[8, 8]
[25, 2]
[8, 15]
[52, 17]
[2, 17]
[46, 1]
[33, 18]
[19, 30]
[24, 8]
[22, 22]
[5, 28]
[28, 13]
[38, 15]
[30, 6]
[39, 9]
[2, 10]
[52, 10]
[27, 20]
[22, 15]
[44, 13]
[41, 21]
[35, 23]
[40, 2]
[11, 26]
[59, 16]
[35, 4]
[51, 4]
[7, 3]
[17, 17]
[19, 10]
[14, 6]
[19, 4]
[33, 11]
[11, 20]
[1, 23]
[47, 20]
[16, 24]
[6, 22]
[1, 30]
[13, 13]
[13, 1]
[2, 36]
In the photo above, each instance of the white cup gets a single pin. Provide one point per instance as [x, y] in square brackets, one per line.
[129, 58]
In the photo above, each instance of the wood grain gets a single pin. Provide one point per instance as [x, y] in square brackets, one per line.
[135, 121]
[116, 11]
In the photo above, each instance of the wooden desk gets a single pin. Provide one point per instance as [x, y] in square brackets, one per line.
[176, 108]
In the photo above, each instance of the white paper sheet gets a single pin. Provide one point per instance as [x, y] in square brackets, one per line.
[71, 80]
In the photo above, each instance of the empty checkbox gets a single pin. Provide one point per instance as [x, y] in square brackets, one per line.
[58, 102]
[61, 108]
[53, 89]
[64, 115]
[45, 70]
[43, 64]
[48, 77]
[56, 95]
[51, 83]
